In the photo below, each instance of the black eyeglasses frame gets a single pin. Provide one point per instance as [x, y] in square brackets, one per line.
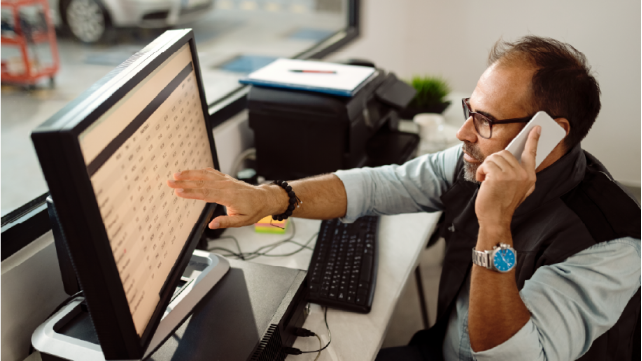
[469, 113]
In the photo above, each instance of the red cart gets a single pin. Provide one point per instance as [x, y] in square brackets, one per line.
[27, 69]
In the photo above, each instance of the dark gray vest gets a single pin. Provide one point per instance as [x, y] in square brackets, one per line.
[575, 205]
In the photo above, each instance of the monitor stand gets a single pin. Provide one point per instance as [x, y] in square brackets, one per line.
[69, 333]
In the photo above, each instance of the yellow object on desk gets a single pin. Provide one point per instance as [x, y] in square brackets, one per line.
[268, 225]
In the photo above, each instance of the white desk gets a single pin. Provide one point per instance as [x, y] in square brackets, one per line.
[354, 336]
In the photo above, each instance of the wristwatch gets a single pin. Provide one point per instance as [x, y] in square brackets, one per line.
[501, 258]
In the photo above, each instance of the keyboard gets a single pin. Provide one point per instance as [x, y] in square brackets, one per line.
[343, 269]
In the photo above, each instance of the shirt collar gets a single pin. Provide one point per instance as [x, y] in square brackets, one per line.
[557, 179]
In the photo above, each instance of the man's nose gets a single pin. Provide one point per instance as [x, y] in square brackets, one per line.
[467, 131]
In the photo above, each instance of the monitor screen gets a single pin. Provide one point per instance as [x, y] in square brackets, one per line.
[157, 129]
[107, 157]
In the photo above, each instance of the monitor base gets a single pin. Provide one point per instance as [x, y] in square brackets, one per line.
[69, 333]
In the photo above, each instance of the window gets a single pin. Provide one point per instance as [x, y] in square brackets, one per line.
[234, 37]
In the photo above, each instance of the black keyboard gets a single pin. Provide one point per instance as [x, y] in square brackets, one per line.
[343, 270]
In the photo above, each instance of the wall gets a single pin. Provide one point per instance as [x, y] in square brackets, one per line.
[31, 290]
[452, 38]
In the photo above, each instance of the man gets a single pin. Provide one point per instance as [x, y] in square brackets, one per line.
[574, 289]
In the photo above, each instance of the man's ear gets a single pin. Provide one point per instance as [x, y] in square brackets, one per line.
[563, 122]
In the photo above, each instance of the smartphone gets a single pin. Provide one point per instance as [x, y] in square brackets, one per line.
[552, 134]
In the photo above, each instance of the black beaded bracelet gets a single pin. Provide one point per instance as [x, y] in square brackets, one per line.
[293, 202]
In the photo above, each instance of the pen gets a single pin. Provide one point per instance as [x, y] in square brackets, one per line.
[313, 71]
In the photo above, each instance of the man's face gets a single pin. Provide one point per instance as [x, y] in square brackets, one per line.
[502, 92]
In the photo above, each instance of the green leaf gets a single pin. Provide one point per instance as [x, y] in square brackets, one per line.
[431, 91]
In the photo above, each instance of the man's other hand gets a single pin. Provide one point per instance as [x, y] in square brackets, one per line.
[246, 204]
[505, 183]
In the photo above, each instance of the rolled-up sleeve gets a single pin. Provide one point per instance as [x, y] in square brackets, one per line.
[524, 345]
[573, 303]
[415, 186]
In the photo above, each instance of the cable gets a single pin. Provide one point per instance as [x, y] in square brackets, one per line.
[238, 246]
[229, 252]
[257, 251]
[249, 153]
[296, 351]
[264, 250]
[320, 343]
[325, 317]
[303, 246]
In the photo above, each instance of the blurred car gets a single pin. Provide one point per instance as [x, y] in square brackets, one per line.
[91, 20]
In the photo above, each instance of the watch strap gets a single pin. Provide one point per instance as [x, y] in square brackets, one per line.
[481, 258]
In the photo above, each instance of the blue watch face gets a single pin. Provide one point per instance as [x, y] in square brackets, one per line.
[504, 260]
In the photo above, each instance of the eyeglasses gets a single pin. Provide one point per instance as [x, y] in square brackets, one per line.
[483, 124]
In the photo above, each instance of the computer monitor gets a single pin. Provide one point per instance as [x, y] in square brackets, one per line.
[106, 158]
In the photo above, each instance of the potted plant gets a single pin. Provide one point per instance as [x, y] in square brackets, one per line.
[430, 97]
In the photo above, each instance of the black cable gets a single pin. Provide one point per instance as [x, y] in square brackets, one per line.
[325, 316]
[296, 351]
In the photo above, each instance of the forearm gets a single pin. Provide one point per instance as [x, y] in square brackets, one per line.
[322, 197]
[496, 311]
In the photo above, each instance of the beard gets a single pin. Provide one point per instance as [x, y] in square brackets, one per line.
[470, 169]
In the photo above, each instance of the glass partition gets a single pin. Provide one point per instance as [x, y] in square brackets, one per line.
[233, 37]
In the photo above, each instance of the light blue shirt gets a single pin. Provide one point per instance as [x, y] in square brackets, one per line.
[571, 303]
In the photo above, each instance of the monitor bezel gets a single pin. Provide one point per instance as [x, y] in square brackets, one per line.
[118, 337]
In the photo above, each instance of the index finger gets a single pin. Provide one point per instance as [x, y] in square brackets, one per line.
[530, 149]
[205, 173]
